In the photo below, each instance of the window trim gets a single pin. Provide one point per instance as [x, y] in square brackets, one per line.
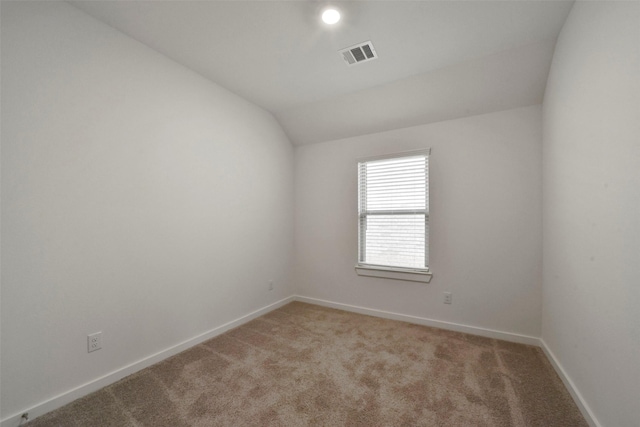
[394, 273]
[383, 271]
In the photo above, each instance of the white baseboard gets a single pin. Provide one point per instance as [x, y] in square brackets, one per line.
[586, 411]
[457, 327]
[94, 385]
[489, 333]
[71, 395]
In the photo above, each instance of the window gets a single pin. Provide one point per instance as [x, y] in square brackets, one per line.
[393, 216]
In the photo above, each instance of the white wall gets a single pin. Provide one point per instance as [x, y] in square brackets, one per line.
[496, 82]
[591, 320]
[485, 222]
[138, 199]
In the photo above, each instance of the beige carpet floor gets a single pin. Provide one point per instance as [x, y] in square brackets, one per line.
[306, 365]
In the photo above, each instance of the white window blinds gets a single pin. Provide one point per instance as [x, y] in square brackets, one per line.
[394, 211]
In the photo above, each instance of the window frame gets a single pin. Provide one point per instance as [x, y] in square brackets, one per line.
[393, 272]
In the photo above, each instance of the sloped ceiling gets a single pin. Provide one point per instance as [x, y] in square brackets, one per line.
[438, 60]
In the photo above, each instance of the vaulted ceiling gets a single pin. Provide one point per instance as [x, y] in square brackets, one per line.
[437, 60]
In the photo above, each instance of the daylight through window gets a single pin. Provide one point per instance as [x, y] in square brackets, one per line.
[394, 212]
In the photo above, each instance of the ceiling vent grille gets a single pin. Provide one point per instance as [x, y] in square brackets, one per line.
[362, 52]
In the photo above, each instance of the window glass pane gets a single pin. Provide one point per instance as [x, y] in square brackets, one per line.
[395, 240]
[393, 209]
[396, 184]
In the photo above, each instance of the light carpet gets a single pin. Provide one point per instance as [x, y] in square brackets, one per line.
[304, 365]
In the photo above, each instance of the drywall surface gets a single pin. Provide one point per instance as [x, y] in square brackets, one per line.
[591, 170]
[485, 222]
[138, 199]
[502, 81]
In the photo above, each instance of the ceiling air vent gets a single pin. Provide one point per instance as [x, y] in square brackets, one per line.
[361, 52]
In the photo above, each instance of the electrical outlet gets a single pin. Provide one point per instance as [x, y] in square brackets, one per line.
[447, 297]
[270, 285]
[94, 342]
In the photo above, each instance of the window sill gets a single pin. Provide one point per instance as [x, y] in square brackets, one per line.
[396, 274]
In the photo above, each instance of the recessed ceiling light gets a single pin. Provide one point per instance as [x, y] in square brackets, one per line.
[330, 16]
